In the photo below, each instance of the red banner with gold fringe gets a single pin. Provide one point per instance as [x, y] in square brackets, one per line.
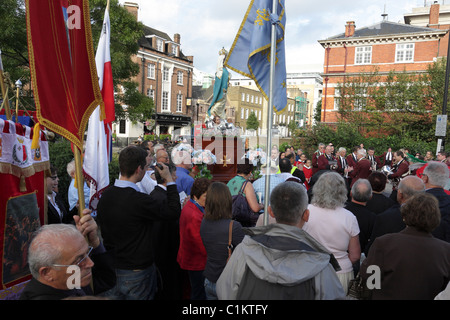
[62, 65]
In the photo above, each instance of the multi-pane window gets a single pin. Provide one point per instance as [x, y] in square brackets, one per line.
[180, 77]
[151, 93]
[166, 74]
[363, 55]
[165, 101]
[159, 45]
[337, 99]
[151, 71]
[179, 102]
[174, 50]
[404, 52]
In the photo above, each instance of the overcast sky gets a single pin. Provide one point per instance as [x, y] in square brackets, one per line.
[206, 26]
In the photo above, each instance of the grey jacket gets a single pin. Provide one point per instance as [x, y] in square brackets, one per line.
[279, 261]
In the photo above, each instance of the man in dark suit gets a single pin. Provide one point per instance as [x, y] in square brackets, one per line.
[167, 235]
[379, 202]
[343, 168]
[56, 210]
[435, 177]
[386, 158]
[391, 220]
[374, 160]
[361, 193]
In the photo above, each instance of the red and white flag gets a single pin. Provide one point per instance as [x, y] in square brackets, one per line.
[98, 141]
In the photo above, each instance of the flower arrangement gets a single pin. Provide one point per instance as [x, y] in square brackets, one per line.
[201, 159]
[181, 153]
[257, 157]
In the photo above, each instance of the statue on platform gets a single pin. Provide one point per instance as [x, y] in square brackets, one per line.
[217, 107]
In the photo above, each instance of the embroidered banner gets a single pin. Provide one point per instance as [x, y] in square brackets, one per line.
[22, 200]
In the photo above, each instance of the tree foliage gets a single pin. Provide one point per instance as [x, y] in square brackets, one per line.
[381, 105]
[125, 33]
[252, 122]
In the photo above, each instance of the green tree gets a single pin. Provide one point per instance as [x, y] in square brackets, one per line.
[125, 33]
[252, 122]
[395, 104]
[318, 112]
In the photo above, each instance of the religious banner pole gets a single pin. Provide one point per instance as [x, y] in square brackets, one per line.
[273, 51]
[79, 179]
[4, 90]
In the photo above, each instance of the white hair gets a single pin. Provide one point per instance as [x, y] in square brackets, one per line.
[362, 152]
[437, 173]
[329, 191]
[46, 246]
[71, 168]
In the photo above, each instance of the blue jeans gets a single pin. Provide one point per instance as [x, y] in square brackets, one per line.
[134, 284]
[210, 290]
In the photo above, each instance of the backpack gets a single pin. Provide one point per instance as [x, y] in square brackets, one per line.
[241, 209]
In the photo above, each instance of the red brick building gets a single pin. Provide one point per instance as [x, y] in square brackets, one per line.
[385, 46]
[166, 76]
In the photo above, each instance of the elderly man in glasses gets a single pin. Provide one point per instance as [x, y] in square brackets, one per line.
[67, 261]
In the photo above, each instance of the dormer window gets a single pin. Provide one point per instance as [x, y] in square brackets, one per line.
[175, 50]
[159, 45]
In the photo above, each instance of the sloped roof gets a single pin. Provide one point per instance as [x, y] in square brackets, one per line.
[385, 28]
[146, 43]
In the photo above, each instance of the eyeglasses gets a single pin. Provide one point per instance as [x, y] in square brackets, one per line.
[79, 263]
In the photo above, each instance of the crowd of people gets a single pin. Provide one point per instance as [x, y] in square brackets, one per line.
[161, 233]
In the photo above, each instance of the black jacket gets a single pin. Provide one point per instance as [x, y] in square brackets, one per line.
[103, 279]
[443, 230]
[390, 221]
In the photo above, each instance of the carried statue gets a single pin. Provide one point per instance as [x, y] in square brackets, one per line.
[222, 78]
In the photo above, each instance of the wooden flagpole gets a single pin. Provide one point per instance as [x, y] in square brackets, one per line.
[4, 92]
[80, 179]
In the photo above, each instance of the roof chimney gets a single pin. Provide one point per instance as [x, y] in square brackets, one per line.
[176, 38]
[434, 14]
[350, 28]
[132, 8]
